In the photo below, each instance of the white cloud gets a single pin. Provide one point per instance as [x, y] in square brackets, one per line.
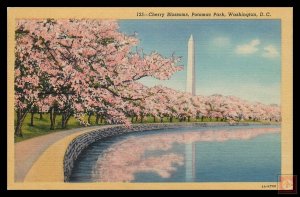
[248, 48]
[221, 41]
[270, 52]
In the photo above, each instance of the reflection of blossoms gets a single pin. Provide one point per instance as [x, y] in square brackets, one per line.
[113, 169]
[122, 160]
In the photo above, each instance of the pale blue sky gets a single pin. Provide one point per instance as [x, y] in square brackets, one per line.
[233, 57]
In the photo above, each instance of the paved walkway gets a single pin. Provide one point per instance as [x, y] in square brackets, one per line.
[28, 151]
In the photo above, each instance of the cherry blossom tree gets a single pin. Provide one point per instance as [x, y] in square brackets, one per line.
[84, 66]
[26, 77]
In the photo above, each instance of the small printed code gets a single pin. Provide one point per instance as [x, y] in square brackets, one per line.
[269, 186]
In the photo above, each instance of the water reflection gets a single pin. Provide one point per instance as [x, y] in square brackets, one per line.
[124, 159]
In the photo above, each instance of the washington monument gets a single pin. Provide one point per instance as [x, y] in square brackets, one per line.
[190, 78]
[190, 148]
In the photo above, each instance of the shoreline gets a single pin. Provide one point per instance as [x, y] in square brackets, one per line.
[207, 122]
[83, 141]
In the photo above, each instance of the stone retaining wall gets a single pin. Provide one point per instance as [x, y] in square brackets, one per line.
[84, 140]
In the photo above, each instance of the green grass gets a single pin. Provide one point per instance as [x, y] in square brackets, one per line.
[42, 126]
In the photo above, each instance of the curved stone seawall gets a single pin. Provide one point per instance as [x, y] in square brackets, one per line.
[84, 140]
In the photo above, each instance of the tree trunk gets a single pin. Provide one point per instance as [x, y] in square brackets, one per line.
[189, 119]
[132, 118]
[136, 118]
[217, 119]
[202, 118]
[20, 119]
[171, 119]
[67, 120]
[101, 119]
[52, 119]
[41, 115]
[97, 119]
[64, 120]
[31, 118]
[89, 118]
[142, 118]
[161, 120]
[154, 119]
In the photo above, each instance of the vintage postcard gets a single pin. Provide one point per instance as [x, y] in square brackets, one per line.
[150, 98]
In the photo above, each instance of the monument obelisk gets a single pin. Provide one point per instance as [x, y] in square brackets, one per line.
[190, 78]
[190, 148]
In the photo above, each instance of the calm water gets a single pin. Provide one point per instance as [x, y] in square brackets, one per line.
[192, 154]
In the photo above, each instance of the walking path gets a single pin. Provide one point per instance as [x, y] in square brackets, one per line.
[28, 151]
